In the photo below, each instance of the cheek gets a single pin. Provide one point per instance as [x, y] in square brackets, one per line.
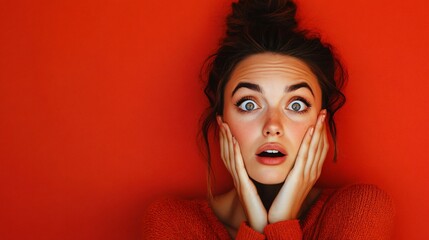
[244, 132]
[296, 132]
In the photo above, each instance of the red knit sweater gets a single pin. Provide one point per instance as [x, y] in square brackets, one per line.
[354, 212]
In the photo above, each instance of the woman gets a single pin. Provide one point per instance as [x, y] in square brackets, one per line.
[273, 91]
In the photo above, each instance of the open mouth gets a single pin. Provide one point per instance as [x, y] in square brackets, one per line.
[271, 153]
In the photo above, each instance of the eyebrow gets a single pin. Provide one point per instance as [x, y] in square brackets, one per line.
[248, 85]
[257, 88]
[297, 86]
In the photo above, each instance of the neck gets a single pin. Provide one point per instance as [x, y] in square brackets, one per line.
[267, 192]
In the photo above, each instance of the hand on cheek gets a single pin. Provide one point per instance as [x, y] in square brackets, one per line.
[246, 190]
[304, 174]
[299, 182]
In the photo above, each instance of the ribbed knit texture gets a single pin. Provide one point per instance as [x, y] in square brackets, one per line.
[284, 230]
[246, 232]
[353, 212]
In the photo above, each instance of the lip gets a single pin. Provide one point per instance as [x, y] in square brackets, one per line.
[271, 160]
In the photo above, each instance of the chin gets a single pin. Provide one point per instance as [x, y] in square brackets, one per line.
[271, 177]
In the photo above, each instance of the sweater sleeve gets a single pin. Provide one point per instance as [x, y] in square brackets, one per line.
[157, 223]
[285, 230]
[245, 232]
[177, 219]
[357, 212]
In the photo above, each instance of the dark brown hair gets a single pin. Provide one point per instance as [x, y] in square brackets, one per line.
[259, 26]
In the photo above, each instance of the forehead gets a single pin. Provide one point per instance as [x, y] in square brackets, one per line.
[267, 67]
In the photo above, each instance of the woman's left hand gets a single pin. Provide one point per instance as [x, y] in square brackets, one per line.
[304, 174]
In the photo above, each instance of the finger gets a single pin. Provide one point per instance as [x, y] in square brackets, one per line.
[224, 148]
[231, 157]
[242, 175]
[303, 150]
[248, 192]
[224, 145]
[314, 172]
[324, 151]
[230, 145]
[241, 169]
[219, 120]
[221, 137]
[320, 145]
[319, 148]
[314, 145]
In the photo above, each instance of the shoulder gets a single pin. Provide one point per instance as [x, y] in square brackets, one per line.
[359, 210]
[165, 218]
[362, 197]
[171, 210]
[172, 206]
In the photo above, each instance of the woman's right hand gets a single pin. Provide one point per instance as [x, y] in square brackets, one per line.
[246, 190]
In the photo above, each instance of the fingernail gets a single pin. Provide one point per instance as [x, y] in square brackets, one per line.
[323, 115]
[311, 131]
[233, 140]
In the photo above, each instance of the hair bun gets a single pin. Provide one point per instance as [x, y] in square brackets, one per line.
[260, 14]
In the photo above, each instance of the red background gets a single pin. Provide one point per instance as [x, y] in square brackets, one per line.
[100, 101]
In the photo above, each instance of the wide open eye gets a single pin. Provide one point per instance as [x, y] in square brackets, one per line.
[298, 106]
[247, 105]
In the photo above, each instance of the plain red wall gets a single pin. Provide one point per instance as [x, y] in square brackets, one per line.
[100, 100]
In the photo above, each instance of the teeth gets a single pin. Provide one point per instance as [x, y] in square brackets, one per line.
[272, 151]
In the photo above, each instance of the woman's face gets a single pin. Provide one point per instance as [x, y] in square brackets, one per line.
[269, 103]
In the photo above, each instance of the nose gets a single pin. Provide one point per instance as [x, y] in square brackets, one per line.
[273, 125]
